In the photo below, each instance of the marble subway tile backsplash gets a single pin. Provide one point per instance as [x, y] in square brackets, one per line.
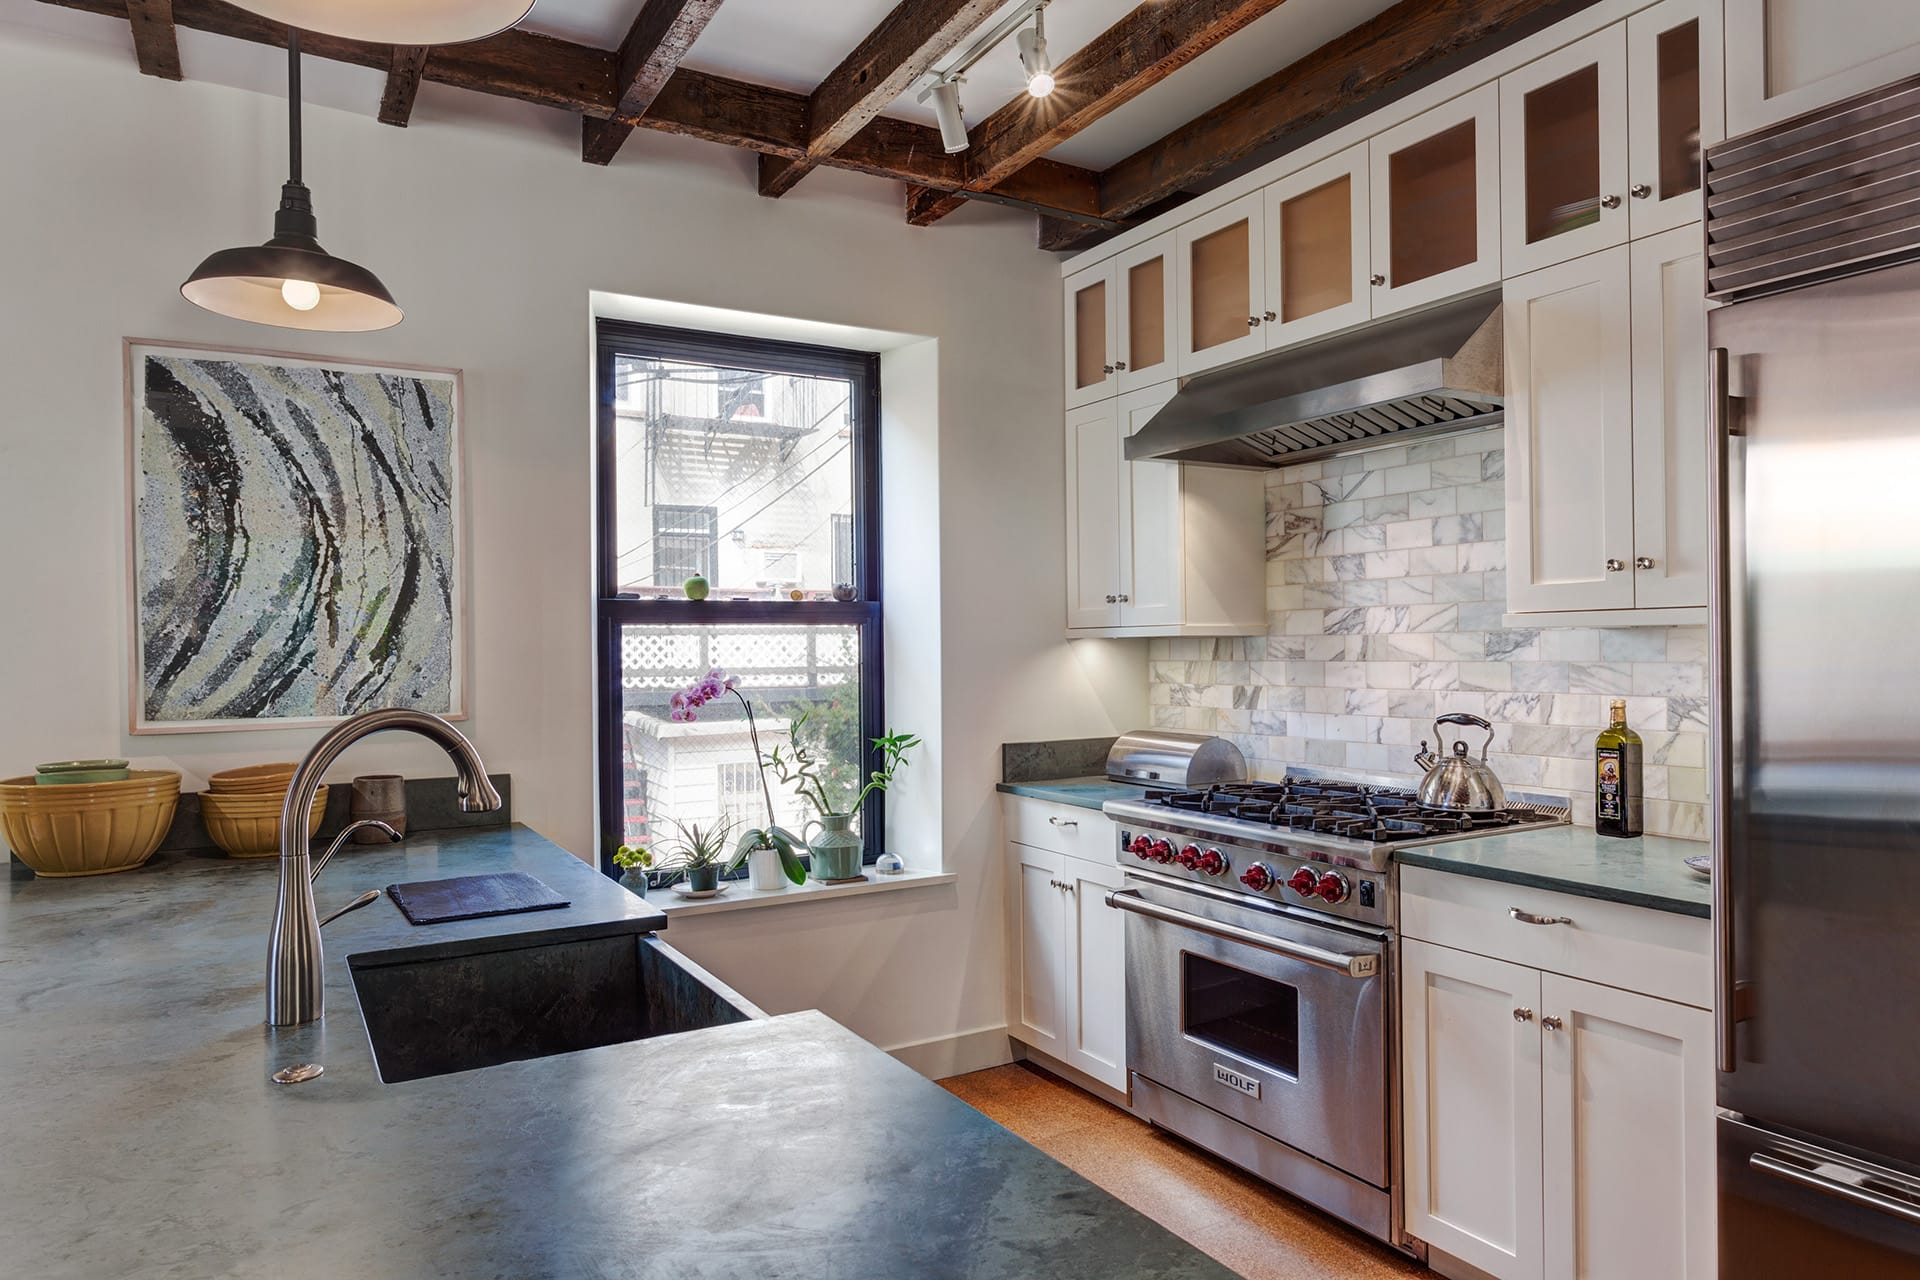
[1386, 582]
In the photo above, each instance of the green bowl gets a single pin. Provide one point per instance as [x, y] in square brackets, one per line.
[69, 771]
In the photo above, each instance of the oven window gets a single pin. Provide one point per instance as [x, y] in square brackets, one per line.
[1241, 1013]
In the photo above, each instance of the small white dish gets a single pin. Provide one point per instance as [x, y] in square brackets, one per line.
[1701, 864]
[697, 894]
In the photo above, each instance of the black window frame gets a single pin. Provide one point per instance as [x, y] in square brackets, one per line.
[615, 611]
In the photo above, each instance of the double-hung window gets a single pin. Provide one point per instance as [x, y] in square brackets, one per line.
[755, 466]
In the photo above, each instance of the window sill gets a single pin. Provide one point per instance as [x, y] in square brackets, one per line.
[742, 898]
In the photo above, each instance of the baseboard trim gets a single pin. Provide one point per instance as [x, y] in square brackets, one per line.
[942, 1056]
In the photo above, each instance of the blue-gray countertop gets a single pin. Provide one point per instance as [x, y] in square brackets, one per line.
[1644, 872]
[142, 1136]
[1087, 793]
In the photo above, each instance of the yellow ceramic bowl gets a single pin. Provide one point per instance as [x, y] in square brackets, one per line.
[248, 826]
[88, 828]
[253, 779]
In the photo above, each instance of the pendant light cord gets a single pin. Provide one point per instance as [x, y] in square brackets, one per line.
[293, 104]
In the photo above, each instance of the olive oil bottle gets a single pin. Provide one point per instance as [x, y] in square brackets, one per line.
[1619, 806]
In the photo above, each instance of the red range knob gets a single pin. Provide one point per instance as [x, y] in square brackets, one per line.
[1189, 857]
[1303, 882]
[1162, 852]
[1141, 847]
[1213, 863]
[1258, 877]
[1333, 887]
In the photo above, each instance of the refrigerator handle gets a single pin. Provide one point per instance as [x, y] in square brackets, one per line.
[1723, 428]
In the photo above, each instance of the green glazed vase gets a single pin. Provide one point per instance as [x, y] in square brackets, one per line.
[837, 849]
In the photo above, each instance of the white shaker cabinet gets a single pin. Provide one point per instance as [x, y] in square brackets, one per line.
[1674, 109]
[1120, 331]
[1092, 307]
[1036, 951]
[1318, 253]
[1220, 279]
[1785, 57]
[1435, 196]
[1671, 445]
[1563, 153]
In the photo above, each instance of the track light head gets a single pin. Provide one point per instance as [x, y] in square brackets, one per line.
[1032, 44]
[947, 110]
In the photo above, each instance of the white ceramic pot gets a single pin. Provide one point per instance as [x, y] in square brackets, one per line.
[763, 870]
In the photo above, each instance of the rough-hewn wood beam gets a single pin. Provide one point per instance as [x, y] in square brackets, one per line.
[154, 43]
[885, 65]
[1337, 76]
[1134, 54]
[403, 84]
[660, 36]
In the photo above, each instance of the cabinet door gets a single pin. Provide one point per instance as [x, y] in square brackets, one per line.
[1096, 973]
[1435, 186]
[1670, 441]
[1627, 1134]
[1151, 591]
[1563, 153]
[1674, 101]
[1789, 56]
[1570, 436]
[1221, 283]
[1037, 949]
[1091, 306]
[1470, 1088]
[1317, 250]
[1144, 275]
[1096, 517]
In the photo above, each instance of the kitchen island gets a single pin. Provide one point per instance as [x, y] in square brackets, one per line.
[143, 1136]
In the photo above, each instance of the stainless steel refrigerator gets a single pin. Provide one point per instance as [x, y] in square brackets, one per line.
[1814, 240]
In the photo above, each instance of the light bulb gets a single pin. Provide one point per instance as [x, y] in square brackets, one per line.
[301, 295]
[1040, 85]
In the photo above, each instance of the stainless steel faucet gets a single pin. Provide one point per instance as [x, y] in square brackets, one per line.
[295, 992]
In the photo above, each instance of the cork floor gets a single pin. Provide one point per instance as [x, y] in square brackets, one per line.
[1239, 1221]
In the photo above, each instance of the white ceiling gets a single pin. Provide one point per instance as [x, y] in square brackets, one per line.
[794, 44]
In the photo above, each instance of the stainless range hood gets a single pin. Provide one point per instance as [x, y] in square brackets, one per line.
[1427, 373]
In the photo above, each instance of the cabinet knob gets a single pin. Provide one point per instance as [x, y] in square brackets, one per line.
[1523, 1015]
[1640, 191]
[1376, 280]
[1273, 315]
[1643, 562]
[1252, 321]
[1551, 1023]
[1609, 202]
[1113, 599]
[1119, 366]
[1126, 599]
[1616, 566]
[1106, 368]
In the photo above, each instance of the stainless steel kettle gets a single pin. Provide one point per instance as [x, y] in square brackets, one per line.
[1458, 781]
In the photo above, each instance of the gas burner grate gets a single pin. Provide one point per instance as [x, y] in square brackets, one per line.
[1352, 811]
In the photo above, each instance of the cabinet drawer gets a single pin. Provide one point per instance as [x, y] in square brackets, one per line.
[1061, 828]
[1656, 953]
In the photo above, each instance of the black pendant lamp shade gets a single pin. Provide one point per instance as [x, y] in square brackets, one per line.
[290, 281]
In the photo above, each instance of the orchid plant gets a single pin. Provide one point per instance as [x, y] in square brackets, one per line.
[682, 709]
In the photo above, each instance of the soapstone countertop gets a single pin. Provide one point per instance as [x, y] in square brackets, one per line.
[143, 1138]
[1647, 871]
[1087, 793]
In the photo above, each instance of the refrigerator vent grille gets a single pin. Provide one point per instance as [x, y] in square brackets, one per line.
[1826, 194]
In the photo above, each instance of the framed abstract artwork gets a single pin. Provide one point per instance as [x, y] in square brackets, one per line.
[296, 539]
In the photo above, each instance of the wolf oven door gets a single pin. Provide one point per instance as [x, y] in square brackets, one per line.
[1273, 1020]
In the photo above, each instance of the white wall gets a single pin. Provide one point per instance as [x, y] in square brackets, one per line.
[491, 232]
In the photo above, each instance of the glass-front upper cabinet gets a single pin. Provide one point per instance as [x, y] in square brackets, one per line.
[1317, 250]
[1673, 110]
[1144, 323]
[1435, 183]
[1563, 153]
[1220, 278]
[1092, 304]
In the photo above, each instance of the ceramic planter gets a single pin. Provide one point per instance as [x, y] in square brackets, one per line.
[763, 871]
[703, 879]
[837, 849]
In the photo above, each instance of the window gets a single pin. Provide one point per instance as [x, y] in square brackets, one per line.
[754, 464]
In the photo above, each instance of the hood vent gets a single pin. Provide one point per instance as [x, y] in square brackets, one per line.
[1429, 373]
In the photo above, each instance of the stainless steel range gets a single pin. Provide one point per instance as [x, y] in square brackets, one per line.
[1260, 937]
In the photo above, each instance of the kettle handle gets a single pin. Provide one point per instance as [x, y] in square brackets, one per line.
[1466, 718]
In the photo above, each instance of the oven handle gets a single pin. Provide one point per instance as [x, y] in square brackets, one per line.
[1354, 966]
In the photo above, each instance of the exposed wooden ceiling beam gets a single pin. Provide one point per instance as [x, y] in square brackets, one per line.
[1128, 58]
[885, 65]
[660, 36]
[154, 44]
[403, 84]
[574, 77]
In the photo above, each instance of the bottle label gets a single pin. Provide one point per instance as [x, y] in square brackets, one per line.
[1610, 794]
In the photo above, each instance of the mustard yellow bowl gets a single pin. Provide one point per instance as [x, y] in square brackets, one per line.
[88, 829]
[248, 826]
[253, 779]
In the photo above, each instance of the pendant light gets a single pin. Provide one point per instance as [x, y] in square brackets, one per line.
[290, 280]
[396, 21]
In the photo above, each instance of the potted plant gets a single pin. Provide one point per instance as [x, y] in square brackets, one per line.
[634, 861]
[698, 852]
[770, 852]
[836, 851]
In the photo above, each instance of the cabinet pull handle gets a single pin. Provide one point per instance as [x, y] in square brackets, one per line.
[1551, 1023]
[1062, 822]
[1616, 566]
[1640, 191]
[1609, 202]
[1523, 1015]
[1376, 280]
[1527, 917]
[1643, 562]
